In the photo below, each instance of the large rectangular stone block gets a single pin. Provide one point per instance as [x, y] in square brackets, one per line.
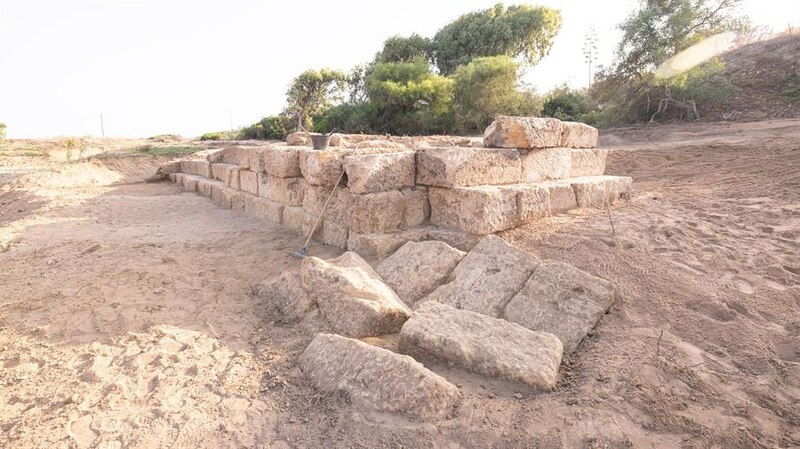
[477, 210]
[263, 208]
[601, 191]
[227, 173]
[283, 162]
[588, 162]
[197, 167]
[316, 196]
[562, 300]
[257, 157]
[220, 196]
[371, 173]
[381, 245]
[375, 212]
[578, 135]
[286, 191]
[205, 186]
[248, 181]
[544, 164]
[523, 132]
[561, 194]
[236, 155]
[489, 346]
[301, 222]
[322, 168]
[416, 207]
[188, 182]
[463, 167]
[334, 234]
[533, 202]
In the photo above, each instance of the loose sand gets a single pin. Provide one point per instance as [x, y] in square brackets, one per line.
[127, 317]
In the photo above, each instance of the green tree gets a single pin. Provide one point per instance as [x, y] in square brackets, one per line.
[274, 127]
[518, 31]
[314, 91]
[485, 88]
[568, 104]
[404, 49]
[409, 98]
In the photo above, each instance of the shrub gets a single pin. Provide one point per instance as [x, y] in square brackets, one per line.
[274, 127]
[567, 104]
[217, 135]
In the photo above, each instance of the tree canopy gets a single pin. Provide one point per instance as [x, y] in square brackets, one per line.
[314, 91]
[518, 31]
[405, 49]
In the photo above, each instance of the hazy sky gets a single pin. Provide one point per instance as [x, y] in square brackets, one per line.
[189, 67]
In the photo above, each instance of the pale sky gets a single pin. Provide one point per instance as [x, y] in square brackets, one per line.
[189, 67]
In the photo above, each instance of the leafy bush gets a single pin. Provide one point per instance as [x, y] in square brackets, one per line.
[567, 104]
[165, 138]
[217, 135]
[274, 127]
[405, 49]
[348, 118]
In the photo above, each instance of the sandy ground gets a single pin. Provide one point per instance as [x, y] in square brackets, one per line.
[127, 314]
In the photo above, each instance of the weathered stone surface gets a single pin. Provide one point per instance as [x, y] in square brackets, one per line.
[322, 168]
[375, 378]
[188, 182]
[220, 195]
[544, 164]
[417, 268]
[237, 199]
[523, 132]
[286, 191]
[196, 167]
[416, 207]
[600, 191]
[578, 135]
[282, 163]
[462, 167]
[371, 173]
[248, 181]
[380, 143]
[375, 212]
[334, 234]
[205, 186]
[487, 278]
[287, 294]
[316, 196]
[562, 300]
[477, 210]
[174, 177]
[300, 221]
[227, 173]
[455, 238]
[298, 139]
[588, 162]
[489, 346]
[562, 196]
[263, 208]
[380, 245]
[352, 297]
[168, 168]
[533, 202]
[257, 157]
[235, 155]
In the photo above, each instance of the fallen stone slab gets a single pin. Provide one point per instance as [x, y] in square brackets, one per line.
[371, 173]
[248, 181]
[464, 167]
[523, 132]
[352, 297]
[283, 163]
[545, 164]
[489, 346]
[377, 379]
[381, 245]
[286, 191]
[263, 208]
[562, 300]
[588, 162]
[287, 294]
[417, 268]
[578, 135]
[487, 277]
[375, 212]
[322, 168]
[601, 191]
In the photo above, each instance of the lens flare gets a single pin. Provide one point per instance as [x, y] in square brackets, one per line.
[696, 54]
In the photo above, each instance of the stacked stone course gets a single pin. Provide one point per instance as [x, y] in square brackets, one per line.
[396, 190]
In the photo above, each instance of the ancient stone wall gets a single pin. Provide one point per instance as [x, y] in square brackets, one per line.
[396, 189]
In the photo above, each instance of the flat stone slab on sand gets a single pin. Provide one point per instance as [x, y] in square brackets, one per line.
[562, 300]
[463, 167]
[287, 294]
[417, 268]
[377, 379]
[523, 132]
[352, 297]
[487, 278]
[489, 346]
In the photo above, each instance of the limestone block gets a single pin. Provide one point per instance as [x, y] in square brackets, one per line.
[377, 379]
[205, 186]
[227, 173]
[545, 163]
[416, 207]
[489, 346]
[188, 182]
[533, 202]
[286, 191]
[220, 195]
[523, 132]
[562, 300]
[236, 155]
[352, 297]
[237, 198]
[322, 168]
[334, 234]
[380, 245]
[562, 196]
[487, 278]
[263, 208]
[455, 238]
[578, 135]
[299, 138]
[197, 167]
[283, 163]
[371, 173]
[588, 162]
[300, 221]
[417, 268]
[257, 158]
[248, 181]
[174, 177]
[600, 191]
[316, 196]
[375, 212]
[287, 294]
[168, 168]
[462, 167]
[477, 210]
